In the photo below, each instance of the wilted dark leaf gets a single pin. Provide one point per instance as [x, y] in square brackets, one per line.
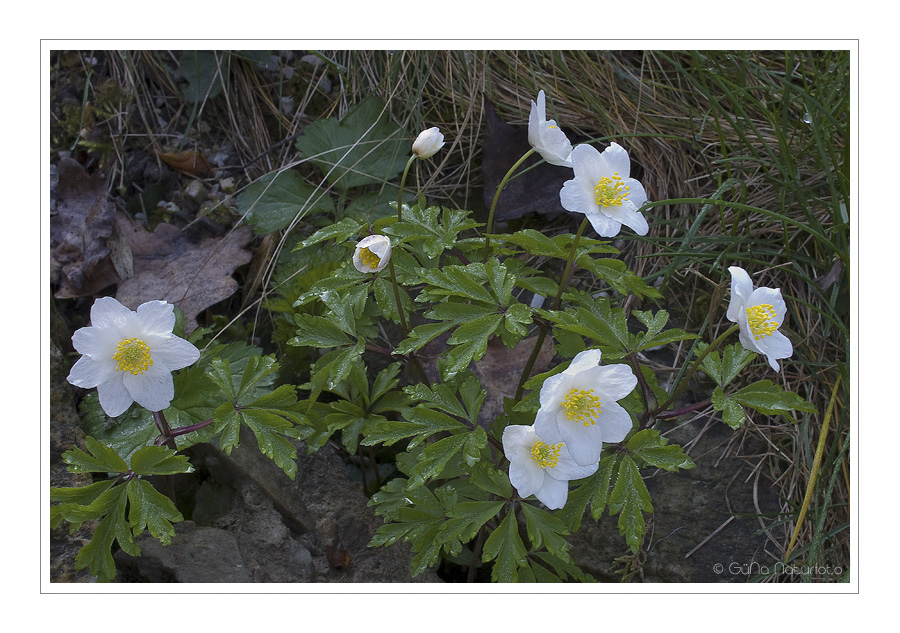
[537, 192]
[168, 267]
[87, 253]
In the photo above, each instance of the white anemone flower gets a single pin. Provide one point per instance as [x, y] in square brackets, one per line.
[428, 143]
[541, 469]
[759, 313]
[129, 355]
[545, 136]
[603, 191]
[372, 254]
[579, 406]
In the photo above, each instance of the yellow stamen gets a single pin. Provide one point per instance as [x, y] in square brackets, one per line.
[133, 355]
[582, 406]
[761, 319]
[369, 258]
[546, 455]
[611, 192]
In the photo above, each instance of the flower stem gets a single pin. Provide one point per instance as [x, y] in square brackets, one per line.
[403, 182]
[694, 367]
[490, 222]
[403, 325]
[563, 283]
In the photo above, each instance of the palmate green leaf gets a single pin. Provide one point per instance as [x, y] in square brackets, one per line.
[420, 423]
[466, 518]
[724, 369]
[421, 335]
[272, 202]
[732, 412]
[127, 432]
[316, 331]
[159, 460]
[432, 460]
[562, 569]
[593, 491]
[438, 229]
[607, 329]
[505, 545]
[339, 232]
[654, 449]
[546, 530]
[487, 478]
[150, 509]
[629, 499]
[770, 399]
[469, 343]
[99, 459]
[618, 276]
[466, 282]
[363, 148]
[96, 555]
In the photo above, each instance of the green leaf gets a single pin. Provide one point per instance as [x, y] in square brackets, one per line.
[628, 499]
[485, 477]
[770, 399]
[469, 343]
[466, 518]
[725, 369]
[420, 423]
[316, 331]
[339, 231]
[102, 459]
[505, 545]
[732, 412]
[438, 229]
[97, 555]
[272, 202]
[466, 282]
[127, 432]
[159, 460]
[434, 458]
[655, 336]
[475, 443]
[203, 72]
[650, 446]
[84, 495]
[363, 148]
[545, 529]
[151, 509]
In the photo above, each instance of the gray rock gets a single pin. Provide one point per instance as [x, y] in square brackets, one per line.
[689, 507]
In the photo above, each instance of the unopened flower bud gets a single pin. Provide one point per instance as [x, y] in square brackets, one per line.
[372, 254]
[428, 143]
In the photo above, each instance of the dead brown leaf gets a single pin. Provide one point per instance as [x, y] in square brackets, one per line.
[168, 267]
[188, 162]
[87, 253]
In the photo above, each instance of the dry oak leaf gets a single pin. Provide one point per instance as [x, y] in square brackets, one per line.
[168, 267]
[87, 252]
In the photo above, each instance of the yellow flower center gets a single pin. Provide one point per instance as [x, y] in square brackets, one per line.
[611, 192]
[369, 258]
[582, 406]
[133, 355]
[761, 319]
[546, 455]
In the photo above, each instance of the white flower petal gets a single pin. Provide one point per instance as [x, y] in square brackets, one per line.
[88, 373]
[628, 215]
[96, 342]
[553, 493]
[775, 346]
[615, 159]
[546, 426]
[769, 296]
[636, 192]
[588, 359]
[107, 312]
[574, 198]
[614, 423]
[567, 469]
[554, 389]
[741, 289]
[604, 225]
[114, 397]
[613, 382]
[156, 317]
[174, 353]
[585, 443]
[152, 389]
